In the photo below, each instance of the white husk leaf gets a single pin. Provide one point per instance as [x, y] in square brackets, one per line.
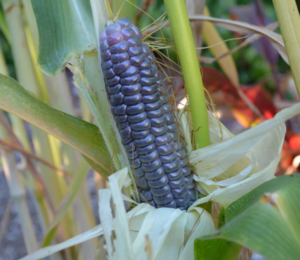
[228, 169]
[234, 165]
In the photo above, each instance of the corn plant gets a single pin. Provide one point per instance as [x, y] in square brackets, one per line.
[173, 181]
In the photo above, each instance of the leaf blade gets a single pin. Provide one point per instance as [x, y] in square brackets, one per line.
[82, 136]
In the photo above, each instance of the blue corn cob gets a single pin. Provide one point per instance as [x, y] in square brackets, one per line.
[145, 120]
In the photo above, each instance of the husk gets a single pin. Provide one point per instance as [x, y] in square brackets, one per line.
[234, 165]
[228, 169]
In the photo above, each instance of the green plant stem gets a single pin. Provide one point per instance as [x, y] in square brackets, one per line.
[186, 51]
[289, 23]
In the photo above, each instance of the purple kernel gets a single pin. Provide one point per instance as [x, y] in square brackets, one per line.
[121, 119]
[146, 149]
[126, 140]
[125, 22]
[164, 199]
[149, 157]
[157, 131]
[132, 100]
[137, 118]
[103, 36]
[151, 98]
[151, 166]
[172, 166]
[134, 42]
[105, 55]
[113, 28]
[136, 109]
[171, 204]
[137, 31]
[146, 49]
[186, 171]
[104, 46]
[155, 113]
[147, 81]
[183, 201]
[169, 158]
[134, 51]
[136, 163]
[131, 80]
[114, 89]
[179, 192]
[138, 172]
[132, 70]
[159, 192]
[172, 127]
[122, 66]
[167, 108]
[113, 81]
[119, 57]
[108, 74]
[107, 64]
[175, 175]
[140, 126]
[155, 175]
[119, 47]
[132, 155]
[153, 106]
[144, 141]
[137, 60]
[147, 73]
[145, 195]
[116, 99]
[177, 183]
[158, 121]
[154, 184]
[146, 64]
[163, 139]
[148, 90]
[127, 33]
[122, 125]
[142, 182]
[114, 38]
[130, 147]
[120, 110]
[140, 134]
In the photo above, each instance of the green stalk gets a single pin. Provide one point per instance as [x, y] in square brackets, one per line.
[289, 23]
[186, 51]
[124, 8]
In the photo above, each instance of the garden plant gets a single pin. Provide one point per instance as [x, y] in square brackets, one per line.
[171, 180]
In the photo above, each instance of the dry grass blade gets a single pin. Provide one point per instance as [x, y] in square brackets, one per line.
[249, 40]
[31, 167]
[5, 219]
[217, 47]
[32, 156]
[245, 28]
[235, 26]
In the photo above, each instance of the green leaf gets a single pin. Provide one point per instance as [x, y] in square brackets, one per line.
[82, 136]
[265, 220]
[77, 182]
[66, 30]
[238, 206]
[216, 249]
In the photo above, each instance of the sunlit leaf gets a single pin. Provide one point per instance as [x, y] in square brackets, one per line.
[77, 182]
[77, 133]
[66, 30]
[219, 47]
[265, 220]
